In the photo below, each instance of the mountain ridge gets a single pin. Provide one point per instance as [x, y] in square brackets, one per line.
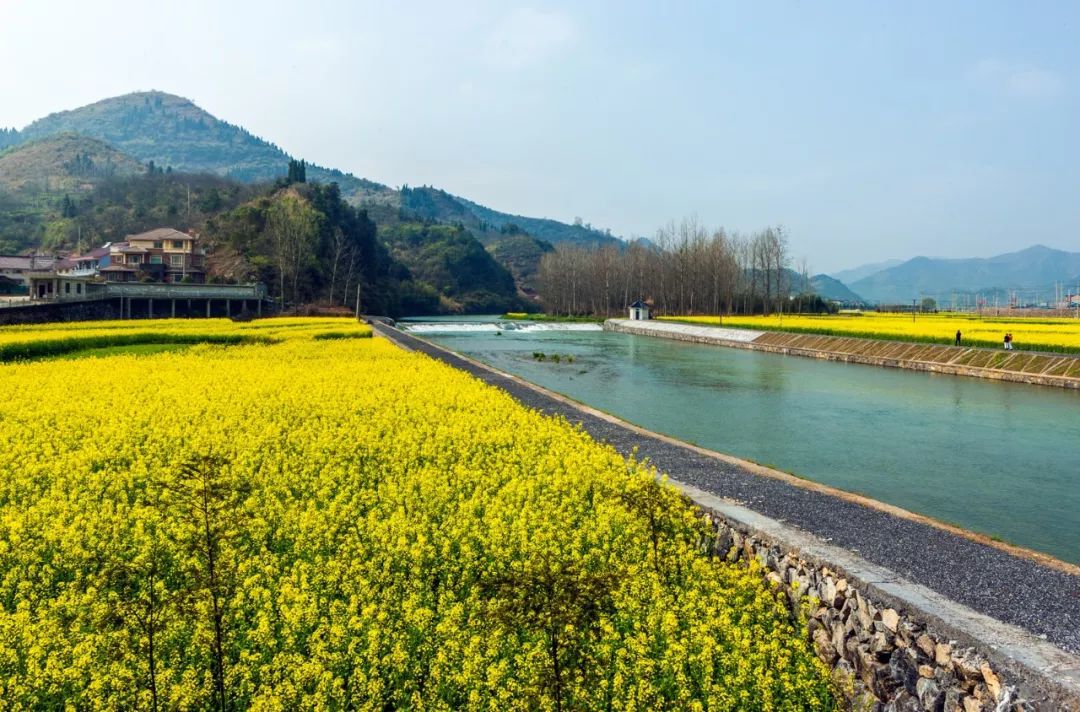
[1034, 267]
[847, 276]
[173, 131]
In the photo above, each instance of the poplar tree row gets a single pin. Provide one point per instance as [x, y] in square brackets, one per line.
[687, 269]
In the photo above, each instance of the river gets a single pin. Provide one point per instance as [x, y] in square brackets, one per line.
[998, 458]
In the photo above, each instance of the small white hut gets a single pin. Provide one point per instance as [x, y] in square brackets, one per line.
[639, 311]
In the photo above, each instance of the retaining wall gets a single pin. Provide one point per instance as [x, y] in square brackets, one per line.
[37, 313]
[885, 654]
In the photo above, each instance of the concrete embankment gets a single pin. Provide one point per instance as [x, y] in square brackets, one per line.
[1059, 370]
[911, 614]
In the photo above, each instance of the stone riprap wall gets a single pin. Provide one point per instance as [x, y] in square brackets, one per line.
[883, 659]
[1061, 371]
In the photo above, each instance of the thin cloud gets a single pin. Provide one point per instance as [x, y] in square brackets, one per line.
[527, 37]
[1018, 80]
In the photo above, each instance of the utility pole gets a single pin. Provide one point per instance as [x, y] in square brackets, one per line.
[358, 301]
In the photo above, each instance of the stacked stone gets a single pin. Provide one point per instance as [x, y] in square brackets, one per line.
[881, 658]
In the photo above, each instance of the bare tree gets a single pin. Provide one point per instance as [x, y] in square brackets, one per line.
[291, 224]
[340, 245]
[687, 270]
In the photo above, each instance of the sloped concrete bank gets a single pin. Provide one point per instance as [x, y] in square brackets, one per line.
[1058, 370]
[922, 617]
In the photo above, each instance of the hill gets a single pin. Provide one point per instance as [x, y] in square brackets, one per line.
[435, 204]
[546, 229]
[64, 162]
[510, 244]
[520, 253]
[173, 132]
[1034, 267]
[450, 270]
[834, 290]
[848, 276]
[44, 183]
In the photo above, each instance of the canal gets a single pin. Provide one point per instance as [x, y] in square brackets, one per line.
[1002, 459]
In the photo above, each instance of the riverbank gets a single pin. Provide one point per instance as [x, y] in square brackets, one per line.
[1057, 370]
[1016, 610]
[1038, 334]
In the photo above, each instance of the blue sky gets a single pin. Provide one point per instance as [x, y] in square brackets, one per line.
[869, 130]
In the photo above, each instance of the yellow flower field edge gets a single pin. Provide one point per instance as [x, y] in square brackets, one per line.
[48, 340]
[540, 316]
[1041, 334]
[340, 524]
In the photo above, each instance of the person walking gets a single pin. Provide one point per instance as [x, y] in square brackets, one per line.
[1008, 342]
[957, 337]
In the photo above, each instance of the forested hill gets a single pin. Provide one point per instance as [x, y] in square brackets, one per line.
[834, 290]
[64, 162]
[173, 132]
[435, 204]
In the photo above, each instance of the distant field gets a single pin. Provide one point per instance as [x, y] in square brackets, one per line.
[524, 316]
[1038, 334]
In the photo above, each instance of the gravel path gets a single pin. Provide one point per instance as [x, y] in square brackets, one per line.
[1016, 590]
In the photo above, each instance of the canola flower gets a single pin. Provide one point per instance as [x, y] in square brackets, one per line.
[41, 340]
[336, 523]
[1032, 334]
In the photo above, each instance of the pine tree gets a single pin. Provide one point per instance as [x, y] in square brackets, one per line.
[297, 172]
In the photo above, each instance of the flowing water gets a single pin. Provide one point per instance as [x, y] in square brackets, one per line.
[998, 458]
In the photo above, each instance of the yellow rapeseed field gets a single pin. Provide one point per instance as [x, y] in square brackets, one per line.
[323, 522]
[1034, 334]
[41, 340]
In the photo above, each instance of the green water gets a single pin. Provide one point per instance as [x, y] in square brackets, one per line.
[998, 458]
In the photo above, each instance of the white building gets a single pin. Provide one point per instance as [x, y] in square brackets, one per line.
[639, 311]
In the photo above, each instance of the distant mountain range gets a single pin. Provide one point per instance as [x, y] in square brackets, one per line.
[1036, 267]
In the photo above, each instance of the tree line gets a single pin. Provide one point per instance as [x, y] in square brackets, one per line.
[687, 269]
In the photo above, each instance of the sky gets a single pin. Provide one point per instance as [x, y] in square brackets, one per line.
[868, 130]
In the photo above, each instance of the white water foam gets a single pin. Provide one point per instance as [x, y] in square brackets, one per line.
[450, 327]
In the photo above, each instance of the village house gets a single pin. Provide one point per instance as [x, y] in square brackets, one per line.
[53, 285]
[84, 265]
[14, 271]
[161, 255]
